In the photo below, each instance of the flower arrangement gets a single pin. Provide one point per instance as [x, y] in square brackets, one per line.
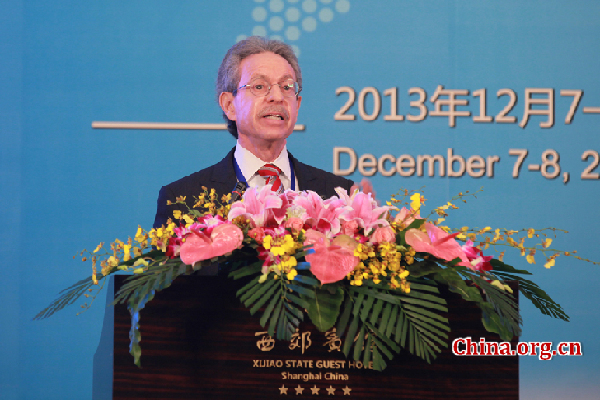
[371, 272]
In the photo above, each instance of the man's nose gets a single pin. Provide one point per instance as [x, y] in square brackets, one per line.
[275, 94]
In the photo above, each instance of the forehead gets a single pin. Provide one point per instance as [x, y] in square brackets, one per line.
[271, 66]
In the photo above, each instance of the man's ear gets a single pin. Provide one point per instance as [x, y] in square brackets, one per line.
[299, 101]
[226, 103]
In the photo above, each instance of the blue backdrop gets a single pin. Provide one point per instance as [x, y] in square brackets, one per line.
[65, 186]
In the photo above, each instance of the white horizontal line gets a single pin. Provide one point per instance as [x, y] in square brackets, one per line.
[591, 110]
[165, 125]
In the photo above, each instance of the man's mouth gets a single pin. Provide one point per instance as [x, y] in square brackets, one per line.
[275, 113]
[274, 116]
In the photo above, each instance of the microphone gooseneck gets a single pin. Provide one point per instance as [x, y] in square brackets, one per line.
[236, 193]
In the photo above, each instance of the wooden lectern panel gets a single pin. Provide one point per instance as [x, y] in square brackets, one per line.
[199, 342]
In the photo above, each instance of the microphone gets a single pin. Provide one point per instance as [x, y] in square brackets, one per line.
[236, 193]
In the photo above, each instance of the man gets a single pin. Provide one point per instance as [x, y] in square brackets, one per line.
[258, 88]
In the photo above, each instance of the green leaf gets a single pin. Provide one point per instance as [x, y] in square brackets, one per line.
[301, 290]
[275, 318]
[261, 302]
[426, 296]
[500, 266]
[367, 352]
[323, 311]
[292, 318]
[383, 349]
[381, 338]
[244, 290]
[281, 327]
[350, 336]
[255, 288]
[182, 269]
[493, 323]
[401, 329]
[256, 294]
[390, 298]
[423, 313]
[251, 269]
[345, 317]
[385, 317]
[297, 313]
[376, 310]
[378, 363]
[68, 296]
[366, 309]
[307, 280]
[416, 224]
[358, 303]
[423, 268]
[358, 346]
[392, 321]
[297, 300]
[136, 352]
[423, 303]
[268, 311]
[500, 311]
[538, 297]
[423, 287]
[435, 335]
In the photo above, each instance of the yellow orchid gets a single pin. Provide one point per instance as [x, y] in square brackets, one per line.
[415, 203]
[126, 252]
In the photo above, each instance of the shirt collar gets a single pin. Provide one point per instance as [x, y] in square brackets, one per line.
[249, 164]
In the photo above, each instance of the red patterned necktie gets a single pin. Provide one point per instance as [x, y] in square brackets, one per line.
[271, 174]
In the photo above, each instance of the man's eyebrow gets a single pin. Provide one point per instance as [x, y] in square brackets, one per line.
[261, 76]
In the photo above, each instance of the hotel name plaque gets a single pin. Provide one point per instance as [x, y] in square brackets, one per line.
[199, 342]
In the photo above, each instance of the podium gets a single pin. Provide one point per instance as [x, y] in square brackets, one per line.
[199, 342]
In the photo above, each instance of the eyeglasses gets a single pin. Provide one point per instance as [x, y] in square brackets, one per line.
[260, 87]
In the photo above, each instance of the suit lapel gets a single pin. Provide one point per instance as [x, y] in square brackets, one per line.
[222, 175]
[306, 179]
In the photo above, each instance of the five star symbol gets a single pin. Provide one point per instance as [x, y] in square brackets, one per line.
[314, 390]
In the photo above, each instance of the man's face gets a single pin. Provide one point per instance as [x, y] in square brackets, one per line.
[271, 117]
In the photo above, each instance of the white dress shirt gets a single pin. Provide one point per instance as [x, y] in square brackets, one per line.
[250, 164]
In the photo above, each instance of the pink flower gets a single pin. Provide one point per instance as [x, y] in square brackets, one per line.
[262, 206]
[173, 246]
[318, 214]
[406, 216]
[205, 223]
[331, 261]
[477, 261]
[315, 238]
[349, 228]
[257, 234]
[381, 235]
[362, 208]
[294, 223]
[199, 246]
[435, 242]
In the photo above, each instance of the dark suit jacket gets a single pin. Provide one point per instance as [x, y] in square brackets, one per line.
[221, 177]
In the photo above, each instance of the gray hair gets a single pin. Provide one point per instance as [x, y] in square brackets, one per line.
[228, 77]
